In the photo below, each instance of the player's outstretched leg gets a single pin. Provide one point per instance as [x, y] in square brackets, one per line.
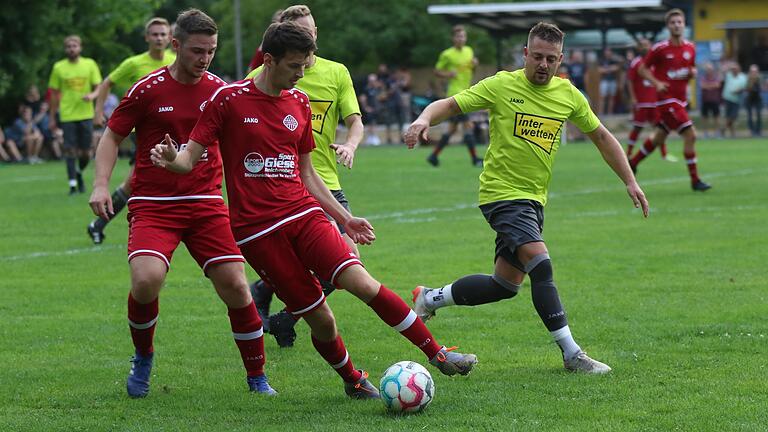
[330, 346]
[96, 227]
[469, 290]
[142, 319]
[396, 313]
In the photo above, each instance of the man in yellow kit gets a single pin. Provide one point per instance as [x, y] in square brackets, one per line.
[329, 88]
[457, 64]
[157, 35]
[528, 108]
[71, 82]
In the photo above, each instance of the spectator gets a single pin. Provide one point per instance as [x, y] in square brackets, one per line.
[403, 81]
[754, 101]
[733, 88]
[369, 104]
[711, 98]
[12, 154]
[26, 134]
[609, 71]
[40, 113]
[577, 70]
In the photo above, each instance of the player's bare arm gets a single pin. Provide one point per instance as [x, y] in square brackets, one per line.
[646, 73]
[433, 114]
[614, 156]
[55, 100]
[106, 156]
[345, 153]
[358, 229]
[102, 91]
[166, 156]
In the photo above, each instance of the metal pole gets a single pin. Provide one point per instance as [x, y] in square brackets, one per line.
[238, 42]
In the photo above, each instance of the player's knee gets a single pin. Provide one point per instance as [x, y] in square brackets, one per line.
[322, 322]
[145, 288]
[539, 269]
[504, 288]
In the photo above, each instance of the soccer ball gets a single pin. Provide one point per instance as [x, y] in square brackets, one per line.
[406, 387]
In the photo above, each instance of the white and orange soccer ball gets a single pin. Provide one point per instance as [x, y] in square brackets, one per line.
[406, 387]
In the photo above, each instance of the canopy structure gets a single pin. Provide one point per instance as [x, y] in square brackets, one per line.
[637, 17]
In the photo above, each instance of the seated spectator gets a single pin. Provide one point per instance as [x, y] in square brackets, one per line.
[40, 109]
[12, 154]
[26, 134]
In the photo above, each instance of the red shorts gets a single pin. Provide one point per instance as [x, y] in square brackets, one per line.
[645, 116]
[674, 117]
[287, 258]
[156, 229]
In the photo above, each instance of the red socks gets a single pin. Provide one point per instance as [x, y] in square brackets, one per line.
[248, 334]
[690, 160]
[393, 311]
[335, 353]
[141, 320]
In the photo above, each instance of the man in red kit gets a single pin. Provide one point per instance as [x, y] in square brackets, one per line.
[669, 66]
[642, 95]
[166, 209]
[276, 202]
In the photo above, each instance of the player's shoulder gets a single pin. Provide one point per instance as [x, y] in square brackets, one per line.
[89, 62]
[660, 45]
[149, 84]
[688, 44]
[300, 98]
[213, 80]
[226, 93]
[635, 62]
[60, 64]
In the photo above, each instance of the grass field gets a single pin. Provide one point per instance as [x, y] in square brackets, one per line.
[676, 304]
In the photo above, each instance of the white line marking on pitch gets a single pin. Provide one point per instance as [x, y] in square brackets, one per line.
[30, 179]
[46, 254]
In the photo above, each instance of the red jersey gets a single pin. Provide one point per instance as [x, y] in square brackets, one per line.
[261, 138]
[158, 104]
[672, 64]
[645, 92]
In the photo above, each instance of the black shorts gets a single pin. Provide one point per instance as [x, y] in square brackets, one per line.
[710, 109]
[77, 134]
[516, 223]
[342, 199]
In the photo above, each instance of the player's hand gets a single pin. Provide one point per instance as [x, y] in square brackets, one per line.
[52, 123]
[89, 97]
[101, 202]
[99, 119]
[417, 132]
[360, 230]
[163, 153]
[661, 86]
[345, 154]
[638, 197]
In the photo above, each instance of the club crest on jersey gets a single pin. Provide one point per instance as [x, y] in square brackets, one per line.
[254, 162]
[290, 122]
[686, 55]
[537, 130]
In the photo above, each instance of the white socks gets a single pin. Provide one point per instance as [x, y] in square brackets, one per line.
[565, 340]
[439, 297]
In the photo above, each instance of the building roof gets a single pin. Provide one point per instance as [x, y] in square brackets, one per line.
[504, 19]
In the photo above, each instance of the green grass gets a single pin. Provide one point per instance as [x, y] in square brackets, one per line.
[676, 304]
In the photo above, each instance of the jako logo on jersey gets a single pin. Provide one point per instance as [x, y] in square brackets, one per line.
[251, 120]
[165, 109]
[290, 122]
[254, 162]
[517, 101]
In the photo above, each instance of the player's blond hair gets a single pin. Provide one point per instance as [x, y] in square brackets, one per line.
[546, 32]
[673, 12]
[156, 21]
[295, 12]
[73, 37]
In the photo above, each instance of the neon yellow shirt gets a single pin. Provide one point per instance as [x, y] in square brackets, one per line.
[331, 96]
[526, 122]
[460, 61]
[74, 80]
[135, 67]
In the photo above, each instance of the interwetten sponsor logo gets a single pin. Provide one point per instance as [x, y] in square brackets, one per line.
[537, 130]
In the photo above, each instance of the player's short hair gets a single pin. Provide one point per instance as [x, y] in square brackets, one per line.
[673, 12]
[283, 37]
[546, 32]
[458, 28]
[155, 21]
[73, 37]
[294, 12]
[194, 21]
